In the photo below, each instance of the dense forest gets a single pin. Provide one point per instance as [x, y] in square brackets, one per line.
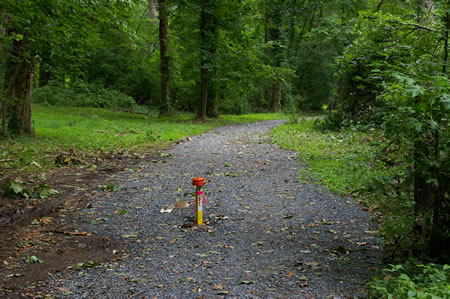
[369, 65]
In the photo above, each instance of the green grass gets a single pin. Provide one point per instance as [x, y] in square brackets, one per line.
[93, 130]
[343, 162]
[348, 163]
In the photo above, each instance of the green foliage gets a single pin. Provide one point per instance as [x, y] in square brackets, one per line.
[87, 265]
[111, 188]
[411, 280]
[43, 191]
[81, 95]
[32, 259]
[16, 188]
[391, 77]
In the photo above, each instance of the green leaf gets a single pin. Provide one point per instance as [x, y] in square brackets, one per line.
[12, 187]
[418, 127]
[33, 260]
[87, 265]
[110, 188]
[43, 191]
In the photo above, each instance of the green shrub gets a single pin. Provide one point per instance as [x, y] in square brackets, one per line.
[81, 95]
[411, 280]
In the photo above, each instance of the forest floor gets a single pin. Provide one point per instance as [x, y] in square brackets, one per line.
[123, 231]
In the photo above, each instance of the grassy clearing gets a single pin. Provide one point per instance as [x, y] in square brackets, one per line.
[93, 130]
[341, 161]
[349, 163]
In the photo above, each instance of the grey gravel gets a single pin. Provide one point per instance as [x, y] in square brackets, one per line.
[268, 235]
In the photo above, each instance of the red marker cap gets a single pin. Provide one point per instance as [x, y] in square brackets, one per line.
[198, 181]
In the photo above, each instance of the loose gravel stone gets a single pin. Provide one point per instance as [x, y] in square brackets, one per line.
[267, 235]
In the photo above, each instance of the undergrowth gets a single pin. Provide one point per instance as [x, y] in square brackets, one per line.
[411, 279]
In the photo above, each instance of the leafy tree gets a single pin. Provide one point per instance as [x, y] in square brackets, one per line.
[394, 76]
[64, 28]
[164, 55]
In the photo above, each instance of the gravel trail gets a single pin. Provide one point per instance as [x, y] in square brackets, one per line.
[267, 235]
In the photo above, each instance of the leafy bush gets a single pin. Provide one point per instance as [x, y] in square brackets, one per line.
[81, 95]
[411, 280]
[385, 79]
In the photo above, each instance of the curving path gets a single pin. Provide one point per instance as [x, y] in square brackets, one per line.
[268, 236]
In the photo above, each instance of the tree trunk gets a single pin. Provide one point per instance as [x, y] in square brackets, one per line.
[208, 26]
[151, 9]
[2, 84]
[164, 56]
[273, 54]
[44, 73]
[212, 110]
[19, 92]
[201, 114]
[423, 189]
[445, 62]
[268, 88]
[440, 240]
[275, 103]
[379, 5]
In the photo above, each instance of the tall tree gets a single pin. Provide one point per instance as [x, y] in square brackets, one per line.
[423, 188]
[2, 81]
[273, 54]
[20, 89]
[66, 28]
[212, 110]
[207, 48]
[164, 56]
[151, 9]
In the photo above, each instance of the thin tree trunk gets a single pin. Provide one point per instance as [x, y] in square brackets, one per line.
[275, 104]
[273, 55]
[207, 48]
[44, 71]
[439, 242]
[212, 110]
[2, 84]
[268, 88]
[151, 9]
[445, 62]
[201, 114]
[379, 5]
[164, 56]
[423, 189]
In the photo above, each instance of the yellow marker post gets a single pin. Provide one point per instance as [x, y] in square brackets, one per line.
[199, 198]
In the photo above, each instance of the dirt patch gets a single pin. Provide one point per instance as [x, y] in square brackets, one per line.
[47, 229]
